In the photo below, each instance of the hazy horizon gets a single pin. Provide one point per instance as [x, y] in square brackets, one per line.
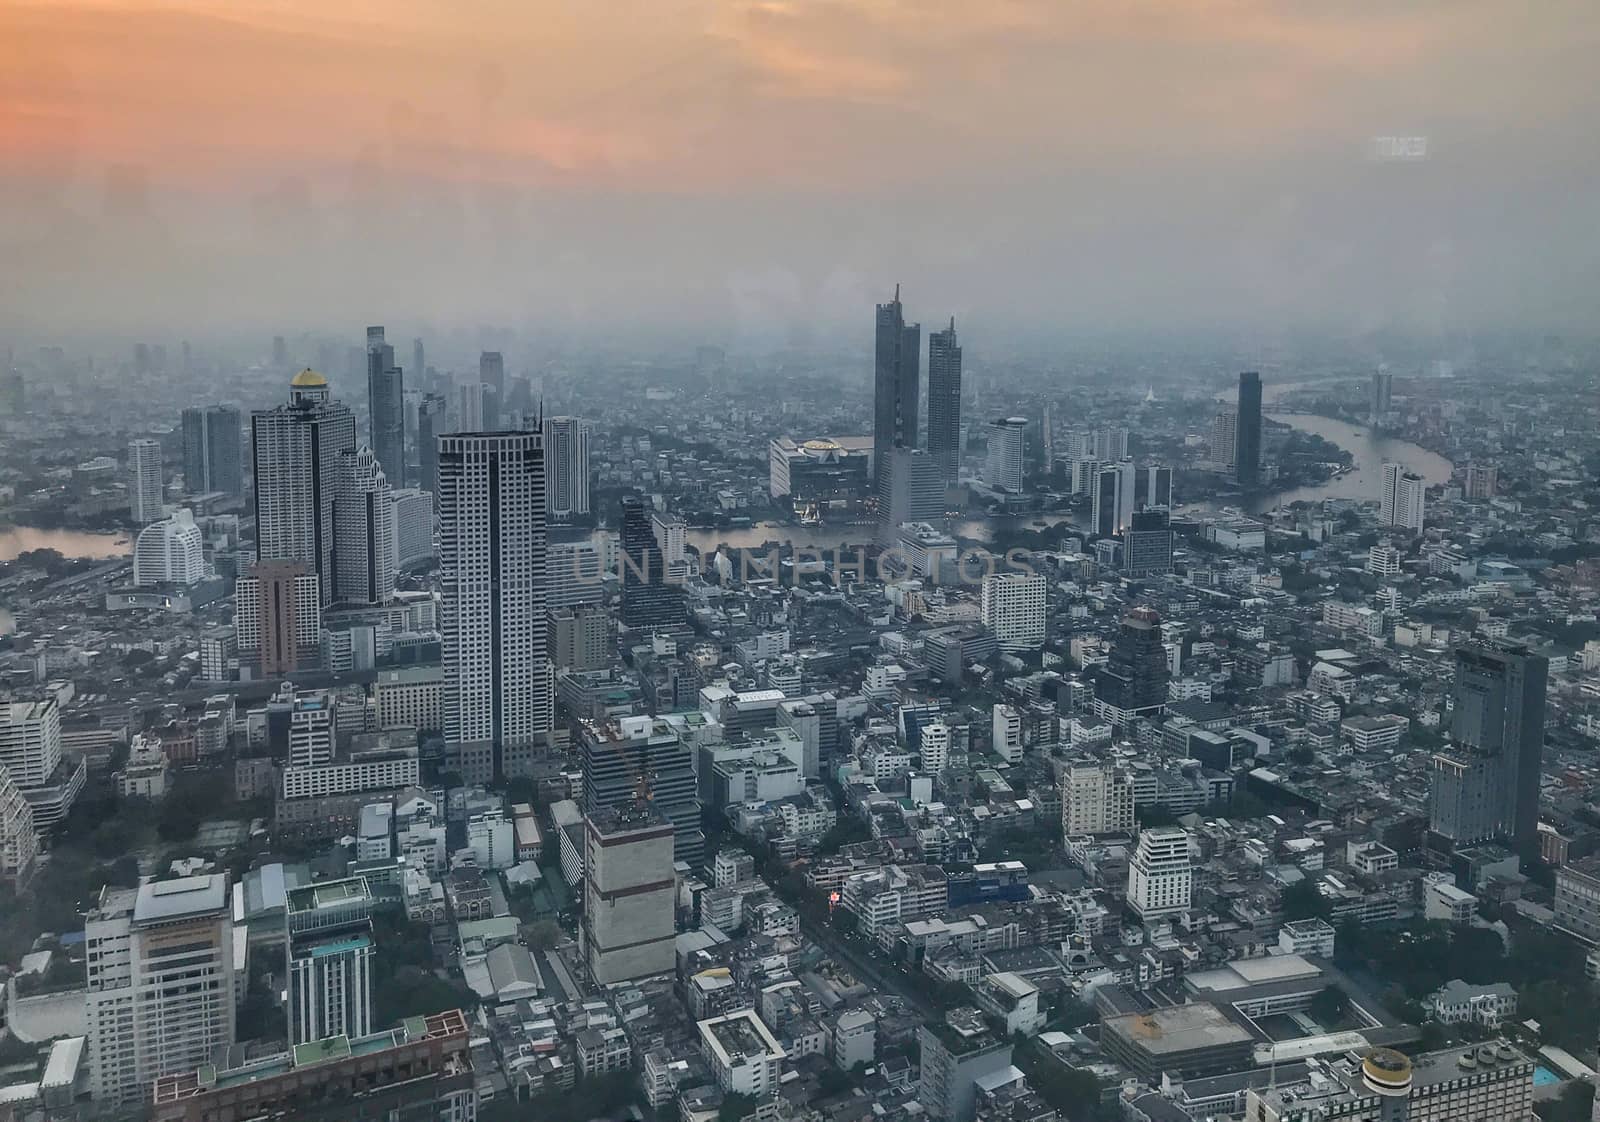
[766, 170]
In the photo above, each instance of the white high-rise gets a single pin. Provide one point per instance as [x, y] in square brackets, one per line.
[296, 451]
[935, 747]
[1224, 439]
[1003, 470]
[312, 730]
[1401, 497]
[30, 749]
[1013, 610]
[160, 994]
[144, 481]
[1160, 874]
[413, 526]
[1006, 732]
[363, 520]
[1114, 489]
[566, 452]
[1096, 799]
[19, 841]
[170, 551]
[497, 686]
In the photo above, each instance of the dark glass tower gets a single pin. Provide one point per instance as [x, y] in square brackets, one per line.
[1134, 677]
[896, 376]
[1247, 449]
[648, 601]
[386, 408]
[430, 426]
[213, 456]
[944, 400]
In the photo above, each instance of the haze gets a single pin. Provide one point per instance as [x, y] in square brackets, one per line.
[769, 167]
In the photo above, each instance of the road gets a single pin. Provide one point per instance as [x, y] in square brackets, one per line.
[858, 960]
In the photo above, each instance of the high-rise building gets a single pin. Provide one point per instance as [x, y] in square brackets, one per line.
[328, 959]
[944, 401]
[313, 729]
[1013, 605]
[497, 686]
[413, 526]
[910, 489]
[419, 369]
[1401, 498]
[1147, 544]
[169, 552]
[364, 533]
[628, 918]
[1382, 389]
[1003, 469]
[1485, 782]
[896, 380]
[580, 638]
[431, 424]
[213, 454]
[1224, 439]
[1133, 681]
[634, 755]
[1005, 731]
[145, 481]
[386, 408]
[161, 988]
[1247, 447]
[566, 449]
[30, 750]
[1489, 1081]
[19, 841]
[1114, 490]
[470, 407]
[296, 450]
[1096, 798]
[280, 352]
[1160, 874]
[1481, 482]
[956, 1053]
[492, 372]
[650, 601]
[278, 618]
[1158, 486]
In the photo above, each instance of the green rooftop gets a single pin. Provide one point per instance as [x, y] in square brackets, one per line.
[321, 1051]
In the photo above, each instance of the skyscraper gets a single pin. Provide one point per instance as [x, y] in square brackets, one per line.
[470, 398]
[566, 449]
[1160, 873]
[635, 756]
[896, 378]
[628, 928]
[1133, 681]
[1013, 606]
[328, 959]
[364, 532]
[944, 401]
[1224, 439]
[213, 456]
[386, 408]
[910, 489]
[278, 617]
[296, 450]
[496, 695]
[1382, 389]
[1402, 497]
[1486, 781]
[145, 481]
[1158, 487]
[1003, 469]
[649, 600]
[1147, 544]
[431, 424]
[492, 372]
[419, 369]
[1114, 498]
[1247, 454]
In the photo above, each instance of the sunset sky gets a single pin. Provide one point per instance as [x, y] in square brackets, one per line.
[753, 164]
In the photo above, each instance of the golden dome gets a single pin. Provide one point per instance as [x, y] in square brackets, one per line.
[308, 379]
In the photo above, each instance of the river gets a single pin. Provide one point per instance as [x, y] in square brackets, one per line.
[1369, 449]
[17, 540]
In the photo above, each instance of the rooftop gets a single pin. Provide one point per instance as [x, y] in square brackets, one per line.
[1178, 1028]
[166, 901]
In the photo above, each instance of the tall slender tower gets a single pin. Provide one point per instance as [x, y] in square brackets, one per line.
[212, 456]
[492, 372]
[144, 481]
[431, 425]
[492, 538]
[896, 376]
[944, 401]
[1247, 450]
[649, 601]
[363, 531]
[296, 449]
[386, 407]
[566, 447]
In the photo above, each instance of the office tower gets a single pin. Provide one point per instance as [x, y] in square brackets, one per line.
[431, 424]
[575, 574]
[896, 375]
[910, 489]
[1485, 782]
[1489, 1081]
[1401, 498]
[213, 455]
[169, 552]
[1382, 389]
[296, 452]
[364, 535]
[1482, 480]
[313, 730]
[1003, 469]
[492, 372]
[1158, 486]
[144, 481]
[19, 841]
[328, 941]
[566, 449]
[1111, 443]
[1014, 609]
[278, 617]
[580, 638]
[470, 398]
[497, 685]
[30, 750]
[413, 526]
[1085, 473]
[649, 600]
[1247, 445]
[1096, 798]
[634, 755]
[956, 1053]
[420, 1069]
[386, 408]
[1147, 544]
[944, 401]
[1133, 680]
[419, 369]
[161, 986]
[1047, 436]
[1005, 728]
[1114, 489]
[1224, 439]
[280, 352]
[628, 919]
[1160, 876]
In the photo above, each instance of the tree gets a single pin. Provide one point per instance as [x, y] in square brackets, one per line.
[1329, 1006]
[1574, 1104]
[542, 936]
[1301, 900]
[736, 1107]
